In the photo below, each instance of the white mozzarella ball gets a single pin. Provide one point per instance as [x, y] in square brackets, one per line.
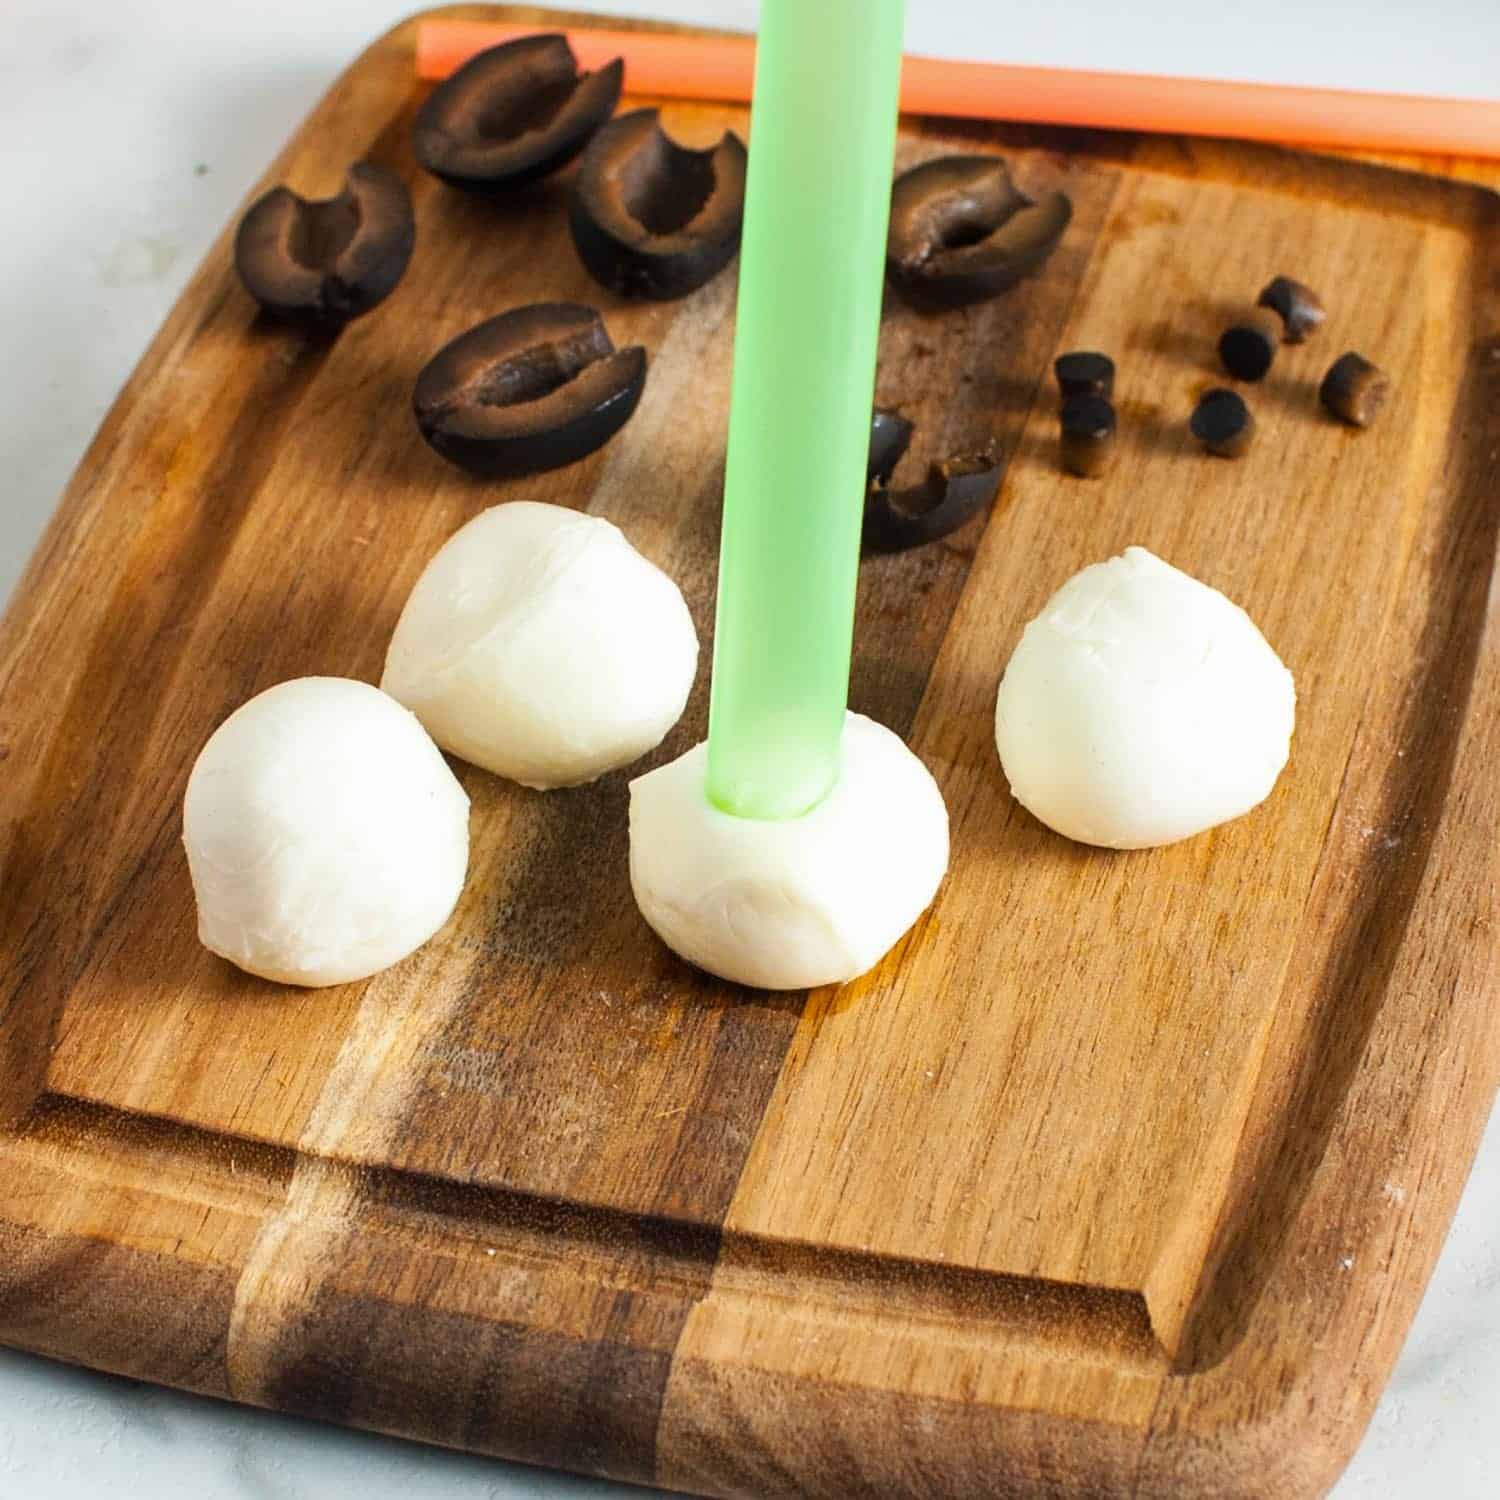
[539, 644]
[1142, 707]
[790, 904]
[326, 836]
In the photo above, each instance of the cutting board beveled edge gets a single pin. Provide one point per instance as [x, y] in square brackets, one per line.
[691, 1356]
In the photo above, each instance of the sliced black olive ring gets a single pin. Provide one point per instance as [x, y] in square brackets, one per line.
[890, 437]
[956, 490]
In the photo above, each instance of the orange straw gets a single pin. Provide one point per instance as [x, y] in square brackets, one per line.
[721, 66]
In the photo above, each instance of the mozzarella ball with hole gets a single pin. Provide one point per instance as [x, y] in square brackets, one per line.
[1142, 707]
[326, 836]
[539, 644]
[791, 903]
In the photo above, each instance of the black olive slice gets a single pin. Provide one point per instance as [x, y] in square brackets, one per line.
[961, 231]
[1085, 372]
[536, 388]
[323, 261]
[956, 490]
[1088, 435]
[1299, 307]
[513, 114]
[654, 219]
[1248, 348]
[890, 437]
[1223, 423]
[1354, 390]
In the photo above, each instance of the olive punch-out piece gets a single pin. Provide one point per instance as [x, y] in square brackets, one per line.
[323, 261]
[956, 490]
[962, 231]
[890, 437]
[536, 388]
[652, 218]
[1088, 435]
[1223, 423]
[1248, 347]
[1354, 390]
[1085, 372]
[1299, 307]
[514, 114]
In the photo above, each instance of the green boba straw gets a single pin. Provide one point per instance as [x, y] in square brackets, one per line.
[812, 260]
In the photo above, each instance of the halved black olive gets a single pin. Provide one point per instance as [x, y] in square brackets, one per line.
[513, 114]
[956, 490]
[654, 219]
[323, 261]
[890, 437]
[962, 231]
[536, 388]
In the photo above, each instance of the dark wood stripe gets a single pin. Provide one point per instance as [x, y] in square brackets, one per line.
[495, 1381]
[79, 1298]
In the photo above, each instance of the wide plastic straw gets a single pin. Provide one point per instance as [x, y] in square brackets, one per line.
[812, 261]
[687, 66]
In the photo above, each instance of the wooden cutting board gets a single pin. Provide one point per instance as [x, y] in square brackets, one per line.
[1123, 1175]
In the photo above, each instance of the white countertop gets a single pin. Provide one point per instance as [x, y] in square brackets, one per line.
[128, 134]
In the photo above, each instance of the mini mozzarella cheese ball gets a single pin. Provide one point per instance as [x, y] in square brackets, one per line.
[326, 836]
[1142, 707]
[539, 644]
[800, 902]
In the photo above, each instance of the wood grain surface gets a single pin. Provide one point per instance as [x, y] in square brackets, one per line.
[1122, 1175]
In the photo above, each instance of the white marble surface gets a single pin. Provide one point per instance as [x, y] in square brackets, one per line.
[128, 132]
